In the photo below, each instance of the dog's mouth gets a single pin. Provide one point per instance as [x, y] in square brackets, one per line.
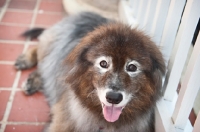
[111, 113]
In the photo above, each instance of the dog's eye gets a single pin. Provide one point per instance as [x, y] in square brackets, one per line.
[131, 68]
[103, 64]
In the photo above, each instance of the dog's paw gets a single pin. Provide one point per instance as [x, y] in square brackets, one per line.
[32, 84]
[28, 89]
[22, 63]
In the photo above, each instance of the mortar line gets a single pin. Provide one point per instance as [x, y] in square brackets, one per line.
[38, 11]
[4, 8]
[2, 62]
[25, 123]
[17, 42]
[9, 89]
[14, 24]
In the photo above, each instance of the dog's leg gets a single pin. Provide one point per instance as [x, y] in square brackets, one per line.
[33, 83]
[27, 60]
[60, 121]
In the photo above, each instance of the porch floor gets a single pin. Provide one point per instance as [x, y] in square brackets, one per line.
[18, 112]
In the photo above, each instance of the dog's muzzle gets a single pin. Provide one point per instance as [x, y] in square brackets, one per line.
[112, 112]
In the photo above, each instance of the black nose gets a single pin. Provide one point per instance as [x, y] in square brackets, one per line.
[114, 97]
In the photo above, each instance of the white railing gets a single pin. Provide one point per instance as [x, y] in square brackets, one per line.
[171, 24]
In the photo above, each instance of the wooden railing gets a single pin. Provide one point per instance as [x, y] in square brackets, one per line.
[171, 24]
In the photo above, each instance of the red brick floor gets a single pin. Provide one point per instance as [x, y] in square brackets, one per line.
[24, 128]
[9, 51]
[18, 112]
[47, 19]
[17, 17]
[23, 4]
[4, 96]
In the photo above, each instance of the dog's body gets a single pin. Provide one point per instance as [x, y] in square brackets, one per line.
[98, 75]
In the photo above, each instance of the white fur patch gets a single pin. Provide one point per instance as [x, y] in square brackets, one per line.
[137, 64]
[105, 58]
[83, 118]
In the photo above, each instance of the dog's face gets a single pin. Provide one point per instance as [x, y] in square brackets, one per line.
[116, 71]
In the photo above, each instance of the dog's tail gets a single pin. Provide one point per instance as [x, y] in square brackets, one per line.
[33, 33]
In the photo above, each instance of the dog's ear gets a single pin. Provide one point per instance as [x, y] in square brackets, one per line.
[158, 67]
[157, 70]
[77, 75]
[158, 62]
[156, 57]
[76, 62]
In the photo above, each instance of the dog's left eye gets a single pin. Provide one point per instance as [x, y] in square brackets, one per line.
[103, 64]
[131, 68]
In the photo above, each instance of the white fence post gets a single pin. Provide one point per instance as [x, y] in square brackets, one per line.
[182, 43]
[150, 17]
[135, 7]
[159, 20]
[126, 13]
[189, 89]
[171, 27]
[143, 13]
[132, 2]
[146, 15]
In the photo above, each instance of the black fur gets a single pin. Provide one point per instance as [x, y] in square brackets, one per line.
[33, 33]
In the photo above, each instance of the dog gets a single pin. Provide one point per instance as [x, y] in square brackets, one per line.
[98, 75]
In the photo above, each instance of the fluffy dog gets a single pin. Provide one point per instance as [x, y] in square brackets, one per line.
[97, 74]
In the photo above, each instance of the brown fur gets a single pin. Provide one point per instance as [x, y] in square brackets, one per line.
[121, 43]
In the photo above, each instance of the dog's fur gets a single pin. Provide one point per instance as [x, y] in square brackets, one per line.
[76, 81]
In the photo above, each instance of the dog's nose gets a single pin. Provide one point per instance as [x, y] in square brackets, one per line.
[114, 97]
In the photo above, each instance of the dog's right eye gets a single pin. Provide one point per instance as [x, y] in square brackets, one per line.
[103, 64]
[131, 68]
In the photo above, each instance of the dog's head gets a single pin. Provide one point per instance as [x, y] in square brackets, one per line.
[117, 71]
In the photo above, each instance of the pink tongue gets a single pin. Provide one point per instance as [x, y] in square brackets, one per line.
[111, 113]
